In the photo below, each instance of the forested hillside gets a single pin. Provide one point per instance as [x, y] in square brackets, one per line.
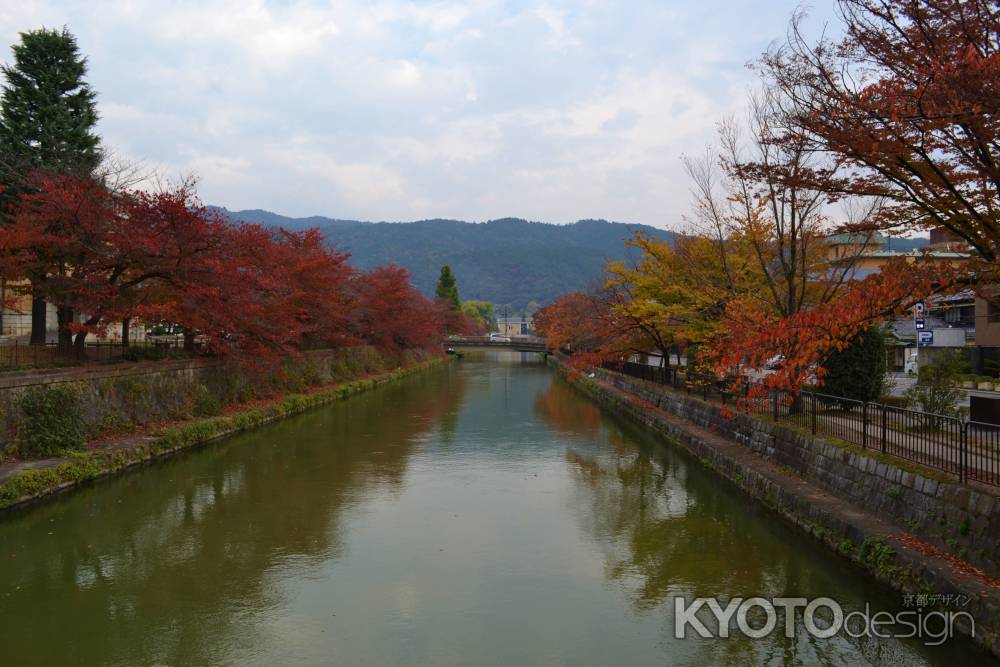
[509, 261]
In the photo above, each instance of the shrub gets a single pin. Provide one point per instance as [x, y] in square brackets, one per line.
[51, 422]
[894, 401]
[991, 367]
[354, 362]
[371, 360]
[310, 374]
[859, 370]
[205, 403]
[937, 389]
[879, 555]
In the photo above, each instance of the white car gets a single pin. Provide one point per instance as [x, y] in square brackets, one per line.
[499, 338]
[775, 362]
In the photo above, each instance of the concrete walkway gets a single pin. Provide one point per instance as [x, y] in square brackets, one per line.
[11, 468]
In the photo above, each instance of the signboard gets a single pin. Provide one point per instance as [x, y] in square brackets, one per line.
[925, 338]
[918, 315]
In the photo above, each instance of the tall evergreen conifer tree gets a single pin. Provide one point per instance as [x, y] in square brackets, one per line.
[447, 288]
[48, 114]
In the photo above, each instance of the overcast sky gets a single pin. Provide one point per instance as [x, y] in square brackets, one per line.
[396, 110]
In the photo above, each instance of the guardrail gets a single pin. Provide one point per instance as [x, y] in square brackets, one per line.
[532, 343]
[968, 449]
[15, 354]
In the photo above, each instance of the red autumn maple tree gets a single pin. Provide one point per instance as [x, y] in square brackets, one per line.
[246, 291]
[391, 314]
[260, 294]
[65, 237]
[180, 243]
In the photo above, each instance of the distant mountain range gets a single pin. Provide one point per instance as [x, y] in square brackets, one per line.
[507, 261]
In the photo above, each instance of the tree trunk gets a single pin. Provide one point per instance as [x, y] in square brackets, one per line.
[38, 308]
[80, 338]
[188, 340]
[64, 316]
[125, 330]
[80, 345]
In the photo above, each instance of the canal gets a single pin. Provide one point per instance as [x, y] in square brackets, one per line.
[479, 514]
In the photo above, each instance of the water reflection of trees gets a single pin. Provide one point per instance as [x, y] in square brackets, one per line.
[667, 531]
[156, 567]
[563, 410]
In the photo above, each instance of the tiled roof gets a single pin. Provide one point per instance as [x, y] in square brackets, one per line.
[855, 238]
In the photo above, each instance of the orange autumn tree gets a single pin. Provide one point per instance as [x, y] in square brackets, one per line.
[756, 252]
[890, 128]
[900, 112]
[673, 295]
[579, 323]
[906, 107]
[806, 338]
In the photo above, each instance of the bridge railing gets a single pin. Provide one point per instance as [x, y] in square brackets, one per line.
[487, 340]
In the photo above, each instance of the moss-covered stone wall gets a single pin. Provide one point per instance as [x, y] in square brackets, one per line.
[45, 414]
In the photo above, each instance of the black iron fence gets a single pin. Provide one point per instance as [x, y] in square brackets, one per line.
[19, 355]
[967, 449]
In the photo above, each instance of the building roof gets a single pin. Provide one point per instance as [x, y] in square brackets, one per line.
[940, 254]
[963, 296]
[855, 238]
[904, 329]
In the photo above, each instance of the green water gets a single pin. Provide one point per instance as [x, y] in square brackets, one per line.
[480, 514]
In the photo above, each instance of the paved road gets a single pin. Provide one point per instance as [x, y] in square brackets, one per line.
[902, 382]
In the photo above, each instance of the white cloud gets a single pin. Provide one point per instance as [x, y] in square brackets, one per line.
[397, 110]
[404, 74]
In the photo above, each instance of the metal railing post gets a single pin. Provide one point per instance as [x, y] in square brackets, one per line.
[864, 425]
[885, 428]
[813, 394]
[963, 463]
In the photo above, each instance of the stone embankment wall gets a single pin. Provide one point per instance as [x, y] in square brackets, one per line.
[857, 503]
[323, 377]
[960, 518]
[119, 398]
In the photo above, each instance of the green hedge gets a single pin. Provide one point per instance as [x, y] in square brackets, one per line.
[51, 421]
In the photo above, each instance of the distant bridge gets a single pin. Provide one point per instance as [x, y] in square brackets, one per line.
[516, 343]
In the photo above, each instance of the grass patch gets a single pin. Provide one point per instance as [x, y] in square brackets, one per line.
[878, 555]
